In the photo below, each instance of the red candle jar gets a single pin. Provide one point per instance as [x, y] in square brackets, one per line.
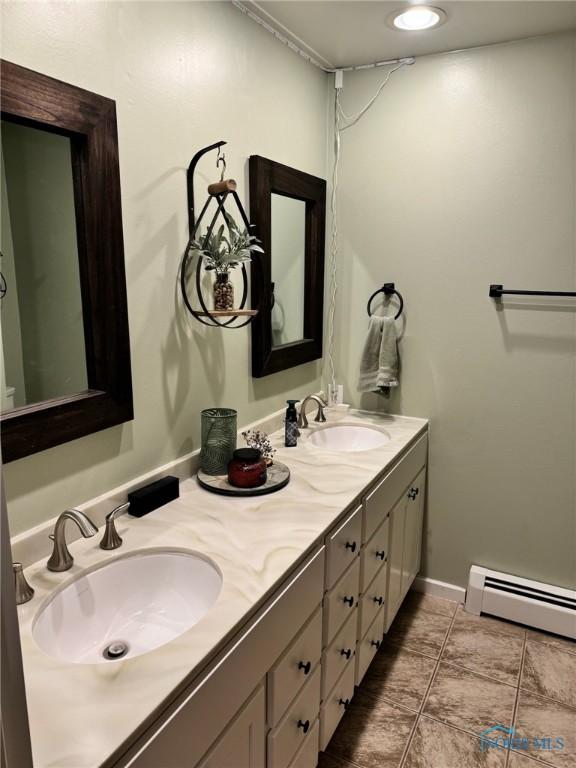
[247, 468]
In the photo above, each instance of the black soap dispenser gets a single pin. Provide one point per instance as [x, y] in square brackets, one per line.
[291, 425]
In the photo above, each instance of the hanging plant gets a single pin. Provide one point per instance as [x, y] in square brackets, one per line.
[222, 252]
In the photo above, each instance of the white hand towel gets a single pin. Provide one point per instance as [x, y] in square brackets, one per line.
[379, 362]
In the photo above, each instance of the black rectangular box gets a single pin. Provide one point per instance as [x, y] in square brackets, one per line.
[152, 496]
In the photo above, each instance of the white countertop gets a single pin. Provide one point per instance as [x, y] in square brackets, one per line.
[80, 714]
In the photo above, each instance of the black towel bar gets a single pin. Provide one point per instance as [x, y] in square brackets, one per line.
[497, 291]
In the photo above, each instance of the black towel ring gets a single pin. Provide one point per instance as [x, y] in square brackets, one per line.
[388, 289]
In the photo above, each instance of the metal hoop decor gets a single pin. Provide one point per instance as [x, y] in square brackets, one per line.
[206, 316]
[388, 289]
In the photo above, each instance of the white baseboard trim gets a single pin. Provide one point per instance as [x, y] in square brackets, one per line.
[439, 589]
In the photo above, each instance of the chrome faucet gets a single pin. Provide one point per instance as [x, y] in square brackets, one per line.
[111, 538]
[302, 420]
[61, 559]
[24, 591]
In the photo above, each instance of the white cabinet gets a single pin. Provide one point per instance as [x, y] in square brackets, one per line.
[405, 544]
[413, 531]
[242, 745]
[394, 593]
[276, 693]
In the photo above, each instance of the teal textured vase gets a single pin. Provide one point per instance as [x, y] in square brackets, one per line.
[219, 432]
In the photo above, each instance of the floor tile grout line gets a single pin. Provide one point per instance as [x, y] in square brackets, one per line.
[551, 645]
[571, 707]
[467, 731]
[516, 698]
[479, 674]
[533, 759]
[424, 697]
[388, 700]
[410, 649]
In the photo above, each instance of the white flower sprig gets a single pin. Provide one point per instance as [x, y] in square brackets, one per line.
[259, 440]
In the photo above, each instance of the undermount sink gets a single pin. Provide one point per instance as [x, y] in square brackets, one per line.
[348, 437]
[127, 607]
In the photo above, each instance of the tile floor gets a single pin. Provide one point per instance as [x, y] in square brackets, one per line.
[442, 677]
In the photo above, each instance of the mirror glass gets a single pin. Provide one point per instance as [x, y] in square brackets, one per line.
[42, 353]
[288, 229]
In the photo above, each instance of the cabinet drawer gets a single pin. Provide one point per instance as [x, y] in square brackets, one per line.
[343, 546]
[340, 653]
[307, 755]
[340, 601]
[335, 705]
[289, 734]
[372, 601]
[374, 554]
[387, 492]
[368, 647]
[294, 668]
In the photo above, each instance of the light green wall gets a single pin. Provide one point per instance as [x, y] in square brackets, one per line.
[183, 76]
[38, 168]
[463, 174]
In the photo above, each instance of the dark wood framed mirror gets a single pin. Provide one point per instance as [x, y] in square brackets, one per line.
[288, 209]
[63, 265]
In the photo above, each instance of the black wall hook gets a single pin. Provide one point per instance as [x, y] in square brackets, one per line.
[388, 289]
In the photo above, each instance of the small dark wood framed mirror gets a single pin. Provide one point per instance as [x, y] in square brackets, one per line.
[288, 209]
[65, 353]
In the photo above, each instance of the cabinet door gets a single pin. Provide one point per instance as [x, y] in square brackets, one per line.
[413, 531]
[394, 594]
[243, 743]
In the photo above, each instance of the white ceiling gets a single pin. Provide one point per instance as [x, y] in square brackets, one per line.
[349, 32]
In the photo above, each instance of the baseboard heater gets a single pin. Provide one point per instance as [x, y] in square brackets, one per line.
[543, 606]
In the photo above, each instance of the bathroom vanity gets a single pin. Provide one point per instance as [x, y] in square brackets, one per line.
[312, 578]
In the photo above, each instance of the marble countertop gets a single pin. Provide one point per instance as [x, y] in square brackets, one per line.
[80, 714]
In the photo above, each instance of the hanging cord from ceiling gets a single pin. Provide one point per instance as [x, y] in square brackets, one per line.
[351, 120]
[308, 57]
[339, 114]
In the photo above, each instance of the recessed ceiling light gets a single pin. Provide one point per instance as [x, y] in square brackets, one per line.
[418, 17]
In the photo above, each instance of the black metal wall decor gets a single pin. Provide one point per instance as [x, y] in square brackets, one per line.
[219, 192]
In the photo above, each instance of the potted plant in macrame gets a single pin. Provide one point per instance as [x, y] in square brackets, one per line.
[223, 252]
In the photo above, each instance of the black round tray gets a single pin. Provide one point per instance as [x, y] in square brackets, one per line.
[278, 477]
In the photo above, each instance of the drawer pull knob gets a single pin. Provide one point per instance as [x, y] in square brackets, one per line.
[375, 643]
[351, 546]
[381, 555]
[379, 600]
[344, 702]
[304, 724]
[346, 652]
[305, 666]
[349, 600]
[413, 493]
